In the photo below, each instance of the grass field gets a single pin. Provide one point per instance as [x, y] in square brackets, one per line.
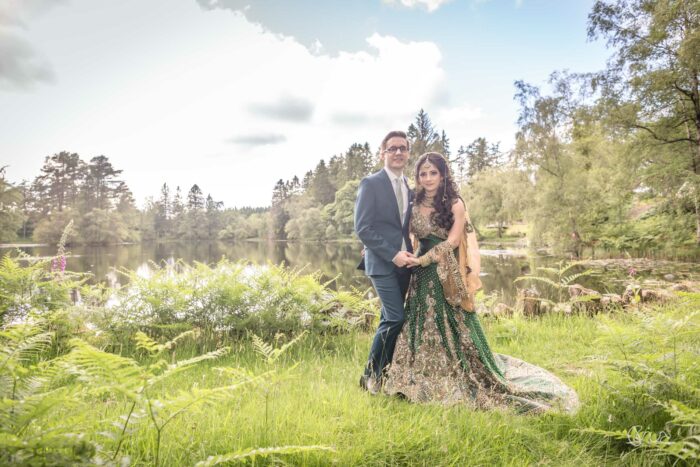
[314, 399]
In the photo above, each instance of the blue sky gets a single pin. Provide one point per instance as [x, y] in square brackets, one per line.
[234, 95]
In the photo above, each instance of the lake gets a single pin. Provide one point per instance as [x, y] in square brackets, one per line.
[500, 265]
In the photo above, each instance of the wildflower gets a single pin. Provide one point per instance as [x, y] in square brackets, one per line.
[632, 272]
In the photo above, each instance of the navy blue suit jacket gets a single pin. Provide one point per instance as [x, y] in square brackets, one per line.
[378, 224]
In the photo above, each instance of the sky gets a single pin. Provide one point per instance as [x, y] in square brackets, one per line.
[234, 95]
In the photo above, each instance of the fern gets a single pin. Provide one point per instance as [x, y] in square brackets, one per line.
[679, 440]
[29, 396]
[243, 456]
[270, 353]
[560, 281]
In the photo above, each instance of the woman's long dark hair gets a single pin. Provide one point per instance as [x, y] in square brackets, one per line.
[447, 192]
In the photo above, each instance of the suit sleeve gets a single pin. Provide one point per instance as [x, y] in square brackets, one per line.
[365, 211]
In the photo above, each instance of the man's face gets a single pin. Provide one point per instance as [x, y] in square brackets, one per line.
[395, 155]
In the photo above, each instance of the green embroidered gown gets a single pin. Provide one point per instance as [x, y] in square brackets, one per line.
[442, 355]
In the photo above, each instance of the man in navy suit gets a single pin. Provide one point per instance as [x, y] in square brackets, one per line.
[382, 213]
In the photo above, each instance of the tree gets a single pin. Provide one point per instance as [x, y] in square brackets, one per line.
[100, 183]
[479, 155]
[178, 208]
[195, 199]
[358, 162]
[163, 213]
[102, 226]
[341, 212]
[60, 182]
[278, 212]
[652, 85]
[573, 162]
[11, 217]
[498, 195]
[212, 216]
[423, 138]
[322, 187]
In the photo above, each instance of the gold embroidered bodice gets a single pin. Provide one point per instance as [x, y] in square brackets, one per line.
[422, 225]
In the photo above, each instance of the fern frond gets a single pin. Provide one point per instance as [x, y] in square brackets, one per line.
[143, 342]
[193, 333]
[17, 415]
[261, 452]
[168, 409]
[263, 348]
[544, 280]
[21, 343]
[570, 265]
[570, 279]
[289, 344]
[102, 369]
[185, 364]
[682, 415]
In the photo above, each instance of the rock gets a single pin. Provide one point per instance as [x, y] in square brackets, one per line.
[685, 286]
[529, 302]
[669, 277]
[584, 300]
[631, 291]
[656, 295]
[502, 310]
[611, 300]
[644, 295]
[680, 287]
[563, 308]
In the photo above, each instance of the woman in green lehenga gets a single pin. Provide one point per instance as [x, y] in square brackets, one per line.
[442, 354]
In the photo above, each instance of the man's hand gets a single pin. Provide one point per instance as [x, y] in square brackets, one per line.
[404, 259]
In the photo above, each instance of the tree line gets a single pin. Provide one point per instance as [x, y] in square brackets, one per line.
[102, 207]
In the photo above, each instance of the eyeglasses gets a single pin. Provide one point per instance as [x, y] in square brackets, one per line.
[395, 149]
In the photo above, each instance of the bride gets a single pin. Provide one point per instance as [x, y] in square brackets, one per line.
[442, 354]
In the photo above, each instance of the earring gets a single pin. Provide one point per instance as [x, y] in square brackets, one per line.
[444, 192]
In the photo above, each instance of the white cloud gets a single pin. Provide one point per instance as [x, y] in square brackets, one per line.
[221, 103]
[430, 5]
[21, 67]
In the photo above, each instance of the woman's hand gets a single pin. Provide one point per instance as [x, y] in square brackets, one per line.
[412, 262]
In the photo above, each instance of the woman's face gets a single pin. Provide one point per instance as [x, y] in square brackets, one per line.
[429, 177]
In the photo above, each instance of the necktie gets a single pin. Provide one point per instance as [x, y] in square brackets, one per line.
[399, 197]
[399, 201]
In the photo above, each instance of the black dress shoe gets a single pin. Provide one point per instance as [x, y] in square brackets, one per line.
[370, 384]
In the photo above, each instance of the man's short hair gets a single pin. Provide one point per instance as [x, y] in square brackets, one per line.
[393, 134]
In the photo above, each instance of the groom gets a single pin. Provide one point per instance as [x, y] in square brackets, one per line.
[382, 213]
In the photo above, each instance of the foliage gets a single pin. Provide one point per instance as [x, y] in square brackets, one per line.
[651, 88]
[27, 284]
[227, 298]
[655, 408]
[497, 195]
[89, 193]
[11, 217]
[559, 280]
[32, 393]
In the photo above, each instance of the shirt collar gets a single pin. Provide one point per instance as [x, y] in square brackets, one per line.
[393, 176]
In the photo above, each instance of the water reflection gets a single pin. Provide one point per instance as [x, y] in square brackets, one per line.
[499, 267]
